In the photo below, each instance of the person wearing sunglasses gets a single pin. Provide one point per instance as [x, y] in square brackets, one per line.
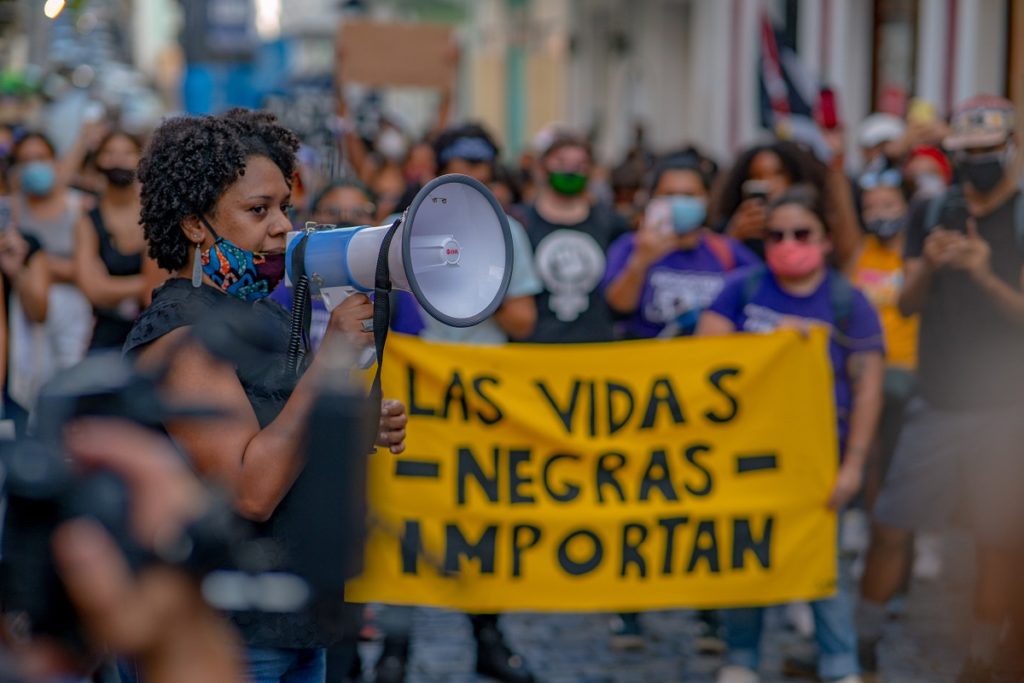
[797, 289]
[761, 174]
[958, 458]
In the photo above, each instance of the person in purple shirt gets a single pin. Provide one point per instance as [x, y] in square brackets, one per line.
[797, 290]
[664, 275]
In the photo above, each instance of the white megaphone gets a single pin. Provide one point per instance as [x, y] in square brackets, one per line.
[452, 251]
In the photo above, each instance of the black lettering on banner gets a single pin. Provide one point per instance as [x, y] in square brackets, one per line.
[566, 414]
[748, 463]
[571, 566]
[456, 392]
[415, 409]
[469, 467]
[411, 546]
[716, 378]
[743, 541]
[662, 393]
[457, 546]
[478, 387]
[633, 536]
[670, 524]
[657, 476]
[519, 546]
[615, 422]
[517, 457]
[571, 491]
[606, 474]
[691, 457]
[705, 547]
[593, 409]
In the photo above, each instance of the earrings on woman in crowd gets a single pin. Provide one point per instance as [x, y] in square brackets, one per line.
[197, 269]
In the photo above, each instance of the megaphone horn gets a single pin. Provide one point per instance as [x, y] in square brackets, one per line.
[452, 251]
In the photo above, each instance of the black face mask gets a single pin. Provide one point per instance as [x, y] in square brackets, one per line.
[119, 177]
[885, 228]
[984, 174]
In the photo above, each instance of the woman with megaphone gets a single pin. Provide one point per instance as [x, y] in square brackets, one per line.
[215, 192]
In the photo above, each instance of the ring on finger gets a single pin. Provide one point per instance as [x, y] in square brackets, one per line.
[368, 325]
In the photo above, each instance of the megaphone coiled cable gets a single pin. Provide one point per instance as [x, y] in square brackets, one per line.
[301, 313]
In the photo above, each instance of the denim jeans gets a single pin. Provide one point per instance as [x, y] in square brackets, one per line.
[278, 665]
[834, 631]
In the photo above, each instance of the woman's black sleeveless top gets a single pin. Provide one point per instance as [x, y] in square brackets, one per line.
[267, 386]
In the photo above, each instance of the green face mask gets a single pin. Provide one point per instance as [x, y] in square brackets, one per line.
[567, 183]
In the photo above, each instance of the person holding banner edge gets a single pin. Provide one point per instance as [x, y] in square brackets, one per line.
[797, 290]
[470, 150]
[215, 196]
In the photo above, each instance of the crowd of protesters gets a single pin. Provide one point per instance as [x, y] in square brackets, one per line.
[912, 257]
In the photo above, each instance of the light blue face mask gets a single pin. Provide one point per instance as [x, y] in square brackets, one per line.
[38, 178]
[688, 213]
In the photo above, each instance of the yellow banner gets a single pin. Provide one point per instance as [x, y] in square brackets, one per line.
[630, 476]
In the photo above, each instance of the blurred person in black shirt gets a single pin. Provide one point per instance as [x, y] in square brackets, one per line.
[156, 615]
[570, 235]
[109, 244]
[960, 450]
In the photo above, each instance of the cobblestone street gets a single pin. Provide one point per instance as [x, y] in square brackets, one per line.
[920, 647]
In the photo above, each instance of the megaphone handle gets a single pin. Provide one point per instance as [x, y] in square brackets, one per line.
[332, 296]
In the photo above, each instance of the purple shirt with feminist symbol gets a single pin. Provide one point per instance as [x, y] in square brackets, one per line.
[679, 286]
[763, 312]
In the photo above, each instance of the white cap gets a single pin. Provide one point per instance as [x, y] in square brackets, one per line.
[879, 128]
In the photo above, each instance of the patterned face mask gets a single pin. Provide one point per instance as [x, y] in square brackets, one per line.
[245, 275]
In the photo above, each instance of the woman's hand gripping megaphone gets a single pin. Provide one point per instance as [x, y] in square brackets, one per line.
[349, 319]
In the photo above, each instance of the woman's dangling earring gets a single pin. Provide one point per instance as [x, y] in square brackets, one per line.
[197, 269]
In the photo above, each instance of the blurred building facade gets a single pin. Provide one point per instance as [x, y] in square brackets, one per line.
[684, 70]
[688, 69]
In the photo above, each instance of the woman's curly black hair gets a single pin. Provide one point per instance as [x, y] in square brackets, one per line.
[191, 161]
[797, 163]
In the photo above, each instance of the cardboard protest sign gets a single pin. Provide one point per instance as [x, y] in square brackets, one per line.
[397, 54]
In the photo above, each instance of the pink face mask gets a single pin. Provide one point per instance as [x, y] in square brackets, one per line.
[791, 259]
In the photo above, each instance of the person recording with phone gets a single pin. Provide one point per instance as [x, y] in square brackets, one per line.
[959, 450]
[761, 174]
[673, 267]
[215, 193]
